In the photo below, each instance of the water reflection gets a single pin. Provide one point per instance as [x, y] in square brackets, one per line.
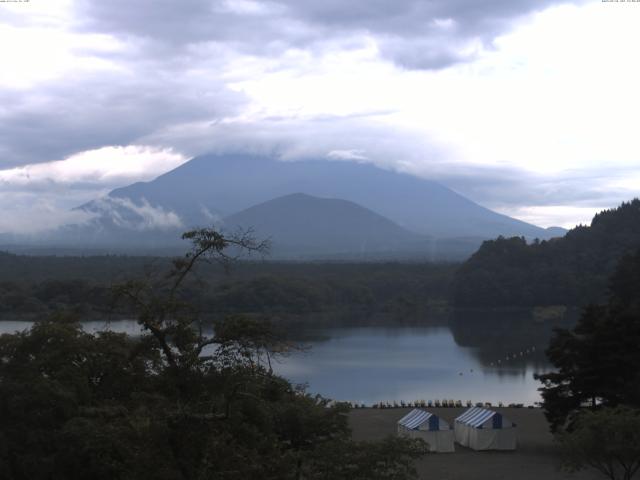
[508, 342]
[376, 364]
[478, 356]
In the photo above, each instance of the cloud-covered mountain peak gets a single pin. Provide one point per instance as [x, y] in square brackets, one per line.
[223, 185]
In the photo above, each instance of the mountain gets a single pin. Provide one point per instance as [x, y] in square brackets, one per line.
[430, 220]
[572, 270]
[210, 187]
[303, 224]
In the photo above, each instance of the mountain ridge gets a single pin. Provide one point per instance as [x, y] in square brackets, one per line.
[435, 222]
[213, 186]
[301, 223]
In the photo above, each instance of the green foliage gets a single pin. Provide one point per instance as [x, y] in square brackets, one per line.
[171, 404]
[56, 380]
[607, 440]
[272, 294]
[597, 362]
[572, 270]
[390, 459]
[48, 296]
[292, 291]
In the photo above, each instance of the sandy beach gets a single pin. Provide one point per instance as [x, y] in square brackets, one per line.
[534, 459]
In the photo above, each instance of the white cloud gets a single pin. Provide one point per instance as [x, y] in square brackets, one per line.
[353, 154]
[37, 45]
[555, 95]
[544, 100]
[40, 197]
[114, 165]
[555, 215]
[445, 23]
[34, 213]
[137, 216]
[247, 7]
[213, 218]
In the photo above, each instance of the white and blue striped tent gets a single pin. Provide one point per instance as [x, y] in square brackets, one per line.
[482, 429]
[429, 427]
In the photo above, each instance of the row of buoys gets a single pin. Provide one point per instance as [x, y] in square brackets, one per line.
[422, 404]
[514, 356]
[432, 404]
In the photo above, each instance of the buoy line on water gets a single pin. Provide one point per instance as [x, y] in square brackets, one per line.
[514, 356]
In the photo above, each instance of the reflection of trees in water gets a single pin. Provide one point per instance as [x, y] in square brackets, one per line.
[319, 327]
[505, 342]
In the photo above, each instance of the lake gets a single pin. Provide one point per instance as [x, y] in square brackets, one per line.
[482, 359]
[369, 365]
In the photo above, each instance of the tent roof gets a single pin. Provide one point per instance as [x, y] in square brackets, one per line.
[415, 418]
[476, 417]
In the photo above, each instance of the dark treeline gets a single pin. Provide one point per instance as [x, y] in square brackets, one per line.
[572, 270]
[34, 286]
[597, 361]
[592, 398]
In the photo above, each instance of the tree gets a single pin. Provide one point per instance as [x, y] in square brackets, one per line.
[61, 387]
[607, 440]
[571, 270]
[172, 403]
[160, 304]
[596, 362]
[389, 459]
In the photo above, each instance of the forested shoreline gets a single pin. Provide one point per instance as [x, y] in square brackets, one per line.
[504, 273]
[573, 270]
[33, 287]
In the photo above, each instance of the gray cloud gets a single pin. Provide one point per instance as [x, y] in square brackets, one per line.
[414, 16]
[413, 33]
[505, 187]
[154, 90]
[296, 138]
[174, 26]
[361, 136]
[170, 89]
[109, 109]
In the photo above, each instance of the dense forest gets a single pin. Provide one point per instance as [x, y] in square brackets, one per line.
[572, 270]
[33, 287]
[506, 272]
[173, 403]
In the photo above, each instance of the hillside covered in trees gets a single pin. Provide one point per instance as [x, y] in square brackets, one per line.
[32, 287]
[572, 270]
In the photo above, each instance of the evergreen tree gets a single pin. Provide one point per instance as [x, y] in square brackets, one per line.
[597, 361]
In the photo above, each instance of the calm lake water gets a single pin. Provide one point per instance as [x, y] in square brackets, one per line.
[492, 360]
[369, 365]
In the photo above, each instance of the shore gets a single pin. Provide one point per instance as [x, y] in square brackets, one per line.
[534, 459]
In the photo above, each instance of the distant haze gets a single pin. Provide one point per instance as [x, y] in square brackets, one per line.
[212, 186]
[307, 209]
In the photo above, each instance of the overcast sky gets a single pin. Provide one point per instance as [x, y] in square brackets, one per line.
[529, 107]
